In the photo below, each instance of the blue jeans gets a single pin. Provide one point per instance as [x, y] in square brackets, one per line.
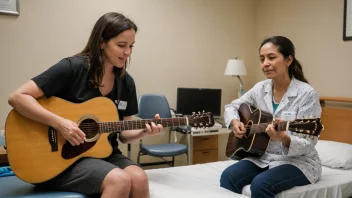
[264, 182]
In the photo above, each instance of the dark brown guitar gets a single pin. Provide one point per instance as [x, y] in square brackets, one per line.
[256, 141]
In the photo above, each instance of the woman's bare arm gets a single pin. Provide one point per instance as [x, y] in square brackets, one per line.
[23, 100]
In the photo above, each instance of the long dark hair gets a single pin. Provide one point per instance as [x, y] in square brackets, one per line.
[286, 48]
[107, 27]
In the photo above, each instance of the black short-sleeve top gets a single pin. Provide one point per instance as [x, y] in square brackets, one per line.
[68, 79]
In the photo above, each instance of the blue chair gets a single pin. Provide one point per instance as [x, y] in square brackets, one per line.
[149, 105]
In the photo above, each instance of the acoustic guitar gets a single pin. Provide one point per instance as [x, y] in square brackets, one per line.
[256, 141]
[37, 152]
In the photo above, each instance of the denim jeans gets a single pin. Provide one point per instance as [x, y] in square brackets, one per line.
[264, 182]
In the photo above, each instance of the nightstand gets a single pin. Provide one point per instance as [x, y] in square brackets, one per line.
[204, 146]
[3, 156]
[205, 149]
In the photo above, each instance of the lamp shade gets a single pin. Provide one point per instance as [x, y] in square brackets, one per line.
[235, 67]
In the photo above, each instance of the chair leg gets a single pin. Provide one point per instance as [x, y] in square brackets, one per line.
[173, 161]
[188, 148]
[138, 158]
[129, 151]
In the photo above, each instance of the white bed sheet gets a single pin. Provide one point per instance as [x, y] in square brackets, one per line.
[203, 180]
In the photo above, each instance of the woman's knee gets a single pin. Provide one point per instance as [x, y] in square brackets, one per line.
[117, 179]
[227, 181]
[225, 177]
[260, 187]
[137, 175]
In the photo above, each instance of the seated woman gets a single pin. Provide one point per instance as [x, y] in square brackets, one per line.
[99, 70]
[289, 160]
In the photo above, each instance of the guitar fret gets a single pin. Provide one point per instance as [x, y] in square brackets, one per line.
[260, 128]
[108, 127]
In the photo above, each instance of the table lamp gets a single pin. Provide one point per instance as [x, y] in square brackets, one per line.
[235, 67]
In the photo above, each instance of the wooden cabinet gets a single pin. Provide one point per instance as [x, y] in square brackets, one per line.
[205, 149]
[3, 156]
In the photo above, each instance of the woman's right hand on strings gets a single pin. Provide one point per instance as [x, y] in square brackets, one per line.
[238, 128]
[70, 131]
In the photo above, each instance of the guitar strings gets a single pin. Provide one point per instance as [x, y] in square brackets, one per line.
[142, 122]
[132, 124]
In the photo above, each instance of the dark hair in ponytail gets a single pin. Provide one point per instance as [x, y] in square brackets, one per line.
[286, 48]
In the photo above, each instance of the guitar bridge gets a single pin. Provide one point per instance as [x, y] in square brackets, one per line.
[52, 137]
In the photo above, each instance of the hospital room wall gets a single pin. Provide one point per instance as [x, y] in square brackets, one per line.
[183, 43]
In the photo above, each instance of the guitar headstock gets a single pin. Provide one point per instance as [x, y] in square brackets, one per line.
[201, 120]
[311, 127]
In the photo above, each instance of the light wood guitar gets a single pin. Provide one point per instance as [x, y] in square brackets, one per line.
[256, 141]
[38, 153]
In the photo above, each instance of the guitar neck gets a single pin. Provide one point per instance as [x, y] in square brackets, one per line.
[260, 128]
[108, 127]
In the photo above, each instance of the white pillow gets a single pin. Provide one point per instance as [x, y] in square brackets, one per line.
[335, 154]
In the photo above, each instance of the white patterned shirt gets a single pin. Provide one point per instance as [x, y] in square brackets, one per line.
[299, 98]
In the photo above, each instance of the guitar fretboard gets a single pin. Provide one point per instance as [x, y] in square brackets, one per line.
[108, 127]
[260, 128]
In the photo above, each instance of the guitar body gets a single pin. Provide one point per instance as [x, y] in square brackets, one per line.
[37, 152]
[250, 144]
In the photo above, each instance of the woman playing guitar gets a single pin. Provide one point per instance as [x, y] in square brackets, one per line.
[98, 71]
[289, 160]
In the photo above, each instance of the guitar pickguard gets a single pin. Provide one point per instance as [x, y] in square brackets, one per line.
[69, 151]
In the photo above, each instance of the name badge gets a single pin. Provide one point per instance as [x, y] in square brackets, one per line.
[288, 116]
[122, 105]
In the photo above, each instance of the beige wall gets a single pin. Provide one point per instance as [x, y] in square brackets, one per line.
[315, 27]
[180, 43]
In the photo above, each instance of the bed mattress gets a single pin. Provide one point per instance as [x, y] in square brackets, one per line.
[203, 180]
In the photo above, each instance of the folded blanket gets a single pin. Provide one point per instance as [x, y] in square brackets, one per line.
[6, 171]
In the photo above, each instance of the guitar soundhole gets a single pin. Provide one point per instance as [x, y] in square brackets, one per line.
[90, 127]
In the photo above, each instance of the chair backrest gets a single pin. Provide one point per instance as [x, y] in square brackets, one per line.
[151, 104]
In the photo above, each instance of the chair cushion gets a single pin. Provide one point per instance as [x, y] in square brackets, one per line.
[12, 186]
[164, 150]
